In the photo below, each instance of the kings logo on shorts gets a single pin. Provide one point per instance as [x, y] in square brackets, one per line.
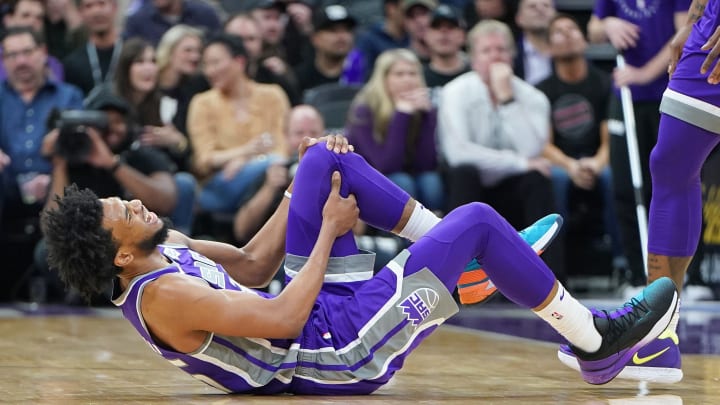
[418, 305]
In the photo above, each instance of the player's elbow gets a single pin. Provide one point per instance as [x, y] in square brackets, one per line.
[289, 326]
[294, 329]
[291, 320]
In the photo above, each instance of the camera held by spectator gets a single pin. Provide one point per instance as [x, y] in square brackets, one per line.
[73, 142]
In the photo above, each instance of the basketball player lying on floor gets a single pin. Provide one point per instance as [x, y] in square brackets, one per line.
[336, 328]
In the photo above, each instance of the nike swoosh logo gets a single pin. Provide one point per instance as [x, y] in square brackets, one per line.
[642, 360]
[562, 295]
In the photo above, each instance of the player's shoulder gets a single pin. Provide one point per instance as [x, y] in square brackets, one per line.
[172, 288]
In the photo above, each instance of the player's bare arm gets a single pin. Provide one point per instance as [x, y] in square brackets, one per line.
[255, 264]
[180, 311]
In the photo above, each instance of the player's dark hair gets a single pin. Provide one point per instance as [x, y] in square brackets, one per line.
[79, 248]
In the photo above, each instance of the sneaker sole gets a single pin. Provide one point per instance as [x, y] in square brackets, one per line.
[661, 375]
[475, 287]
[606, 374]
[472, 288]
[541, 244]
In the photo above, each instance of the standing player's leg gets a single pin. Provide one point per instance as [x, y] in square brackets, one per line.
[674, 224]
[676, 207]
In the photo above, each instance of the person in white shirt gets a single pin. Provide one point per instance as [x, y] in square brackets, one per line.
[492, 128]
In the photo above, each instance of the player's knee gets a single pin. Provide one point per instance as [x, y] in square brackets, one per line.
[479, 210]
[318, 156]
[665, 169]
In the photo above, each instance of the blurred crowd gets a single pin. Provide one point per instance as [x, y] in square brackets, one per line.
[196, 108]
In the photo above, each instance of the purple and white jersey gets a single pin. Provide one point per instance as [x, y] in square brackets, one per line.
[355, 339]
[227, 363]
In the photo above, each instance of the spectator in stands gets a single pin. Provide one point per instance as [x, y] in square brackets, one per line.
[248, 29]
[93, 64]
[298, 30]
[501, 10]
[392, 124]
[233, 126]
[152, 20]
[445, 39]
[178, 62]
[27, 97]
[62, 27]
[641, 31]
[332, 39]
[417, 14]
[533, 62]
[270, 17]
[286, 27]
[493, 128]
[31, 13]
[388, 34]
[580, 142]
[264, 197]
[136, 81]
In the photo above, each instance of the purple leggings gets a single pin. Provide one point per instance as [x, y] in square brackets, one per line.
[473, 230]
[676, 206]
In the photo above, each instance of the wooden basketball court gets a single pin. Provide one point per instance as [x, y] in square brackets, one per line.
[101, 359]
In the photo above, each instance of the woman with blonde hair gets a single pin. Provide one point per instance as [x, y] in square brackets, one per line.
[392, 124]
[179, 79]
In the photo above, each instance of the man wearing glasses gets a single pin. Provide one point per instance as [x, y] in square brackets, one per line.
[27, 97]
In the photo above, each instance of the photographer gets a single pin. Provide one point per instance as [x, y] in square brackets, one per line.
[112, 164]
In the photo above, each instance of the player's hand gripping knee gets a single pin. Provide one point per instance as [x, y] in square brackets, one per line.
[339, 212]
[335, 142]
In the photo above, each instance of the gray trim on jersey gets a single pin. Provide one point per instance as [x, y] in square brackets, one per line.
[690, 110]
[385, 320]
[336, 265]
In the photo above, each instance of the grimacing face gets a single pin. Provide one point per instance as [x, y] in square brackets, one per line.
[129, 221]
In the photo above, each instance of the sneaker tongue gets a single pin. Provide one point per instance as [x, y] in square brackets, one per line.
[601, 324]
